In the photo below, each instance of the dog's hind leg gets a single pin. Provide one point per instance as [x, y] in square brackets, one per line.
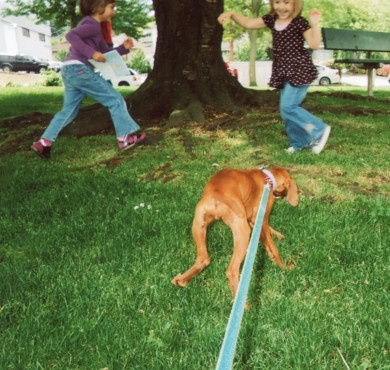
[241, 235]
[199, 231]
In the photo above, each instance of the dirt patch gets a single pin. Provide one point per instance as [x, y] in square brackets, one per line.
[15, 136]
[163, 173]
[18, 133]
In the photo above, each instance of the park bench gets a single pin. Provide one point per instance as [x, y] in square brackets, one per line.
[356, 41]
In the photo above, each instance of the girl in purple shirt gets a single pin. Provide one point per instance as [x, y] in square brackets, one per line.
[292, 68]
[79, 79]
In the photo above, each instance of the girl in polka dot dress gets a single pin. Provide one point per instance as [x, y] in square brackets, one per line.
[292, 70]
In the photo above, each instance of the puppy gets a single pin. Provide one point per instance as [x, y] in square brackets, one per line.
[233, 196]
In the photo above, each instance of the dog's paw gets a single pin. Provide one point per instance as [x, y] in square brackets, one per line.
[178, 281]
[289, 266]
[276, 233]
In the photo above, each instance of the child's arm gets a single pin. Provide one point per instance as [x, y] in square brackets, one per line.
[100, 57]
[251, 24]
[124, 48]
[313, 35]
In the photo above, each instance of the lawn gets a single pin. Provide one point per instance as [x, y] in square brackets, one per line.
[90, 240]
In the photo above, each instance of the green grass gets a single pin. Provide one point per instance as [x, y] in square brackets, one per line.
[85, 269]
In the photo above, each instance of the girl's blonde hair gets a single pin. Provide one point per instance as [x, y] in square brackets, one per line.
[89, 7]
[298, 6]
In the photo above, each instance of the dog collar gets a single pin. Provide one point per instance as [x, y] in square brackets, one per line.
[269, 177]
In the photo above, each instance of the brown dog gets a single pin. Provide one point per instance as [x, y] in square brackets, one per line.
[233, 196]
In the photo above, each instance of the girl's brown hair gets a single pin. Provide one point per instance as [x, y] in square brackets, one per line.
[89, 7]
[298, 6]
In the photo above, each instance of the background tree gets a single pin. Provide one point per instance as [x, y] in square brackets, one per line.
[256, 6]
[232, 31]
[189, 72]
[251, 9]
[368, 15]
[59, 13]
[132, 15]
[263, 48]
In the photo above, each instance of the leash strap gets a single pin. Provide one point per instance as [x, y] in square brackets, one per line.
[226, 355]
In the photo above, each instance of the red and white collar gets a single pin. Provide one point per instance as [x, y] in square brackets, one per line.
[269, 177]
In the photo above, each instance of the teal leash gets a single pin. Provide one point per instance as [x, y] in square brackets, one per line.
[228, 348]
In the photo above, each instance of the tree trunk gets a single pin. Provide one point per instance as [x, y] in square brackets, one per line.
[231, 51]
[189, 71]
[255, 10]
[71, 9]
[252, 57]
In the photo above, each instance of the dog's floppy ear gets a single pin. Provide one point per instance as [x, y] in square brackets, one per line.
[292, 191]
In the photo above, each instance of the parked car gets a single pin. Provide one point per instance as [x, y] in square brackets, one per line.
[326, 76]
[55, 65]
[384, 70]
[232, 71]
[134, 79]
[9, 63]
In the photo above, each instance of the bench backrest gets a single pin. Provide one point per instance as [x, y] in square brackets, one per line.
[342, 39]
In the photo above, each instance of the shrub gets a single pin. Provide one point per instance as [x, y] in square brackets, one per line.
[263, 50]
[61, 54]
[52, 78]
[140, 63]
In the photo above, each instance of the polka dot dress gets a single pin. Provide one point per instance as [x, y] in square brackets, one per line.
[292, 62]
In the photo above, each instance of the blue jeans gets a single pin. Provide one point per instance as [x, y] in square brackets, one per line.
[80, 80]
[302, 128]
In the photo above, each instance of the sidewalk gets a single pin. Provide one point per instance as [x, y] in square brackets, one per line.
[361, 80]
[20, 79]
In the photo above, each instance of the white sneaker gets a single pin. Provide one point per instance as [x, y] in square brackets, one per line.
[320, 143]
[290, 150]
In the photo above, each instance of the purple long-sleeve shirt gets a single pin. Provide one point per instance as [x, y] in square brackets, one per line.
[87, 38]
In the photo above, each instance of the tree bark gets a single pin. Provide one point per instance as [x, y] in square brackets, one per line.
[231, 51]
[252, 58]
[73, 16]
[255, 10]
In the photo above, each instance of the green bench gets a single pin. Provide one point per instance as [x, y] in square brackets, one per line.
[355, 41]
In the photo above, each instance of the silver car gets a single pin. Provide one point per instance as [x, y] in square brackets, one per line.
[326, 76]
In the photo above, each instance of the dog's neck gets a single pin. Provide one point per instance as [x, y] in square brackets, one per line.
[269, 178]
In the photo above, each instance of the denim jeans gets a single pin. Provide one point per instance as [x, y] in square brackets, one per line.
[301, 126]
[80, 80]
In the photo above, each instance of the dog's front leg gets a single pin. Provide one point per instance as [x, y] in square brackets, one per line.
[266, 239]
[276, 233]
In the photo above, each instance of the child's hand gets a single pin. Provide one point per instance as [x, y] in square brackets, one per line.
[224, 17]
[128, 43]
[315, 16]
[98, 56]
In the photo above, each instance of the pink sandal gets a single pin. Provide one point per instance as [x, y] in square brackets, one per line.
[130, 140]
